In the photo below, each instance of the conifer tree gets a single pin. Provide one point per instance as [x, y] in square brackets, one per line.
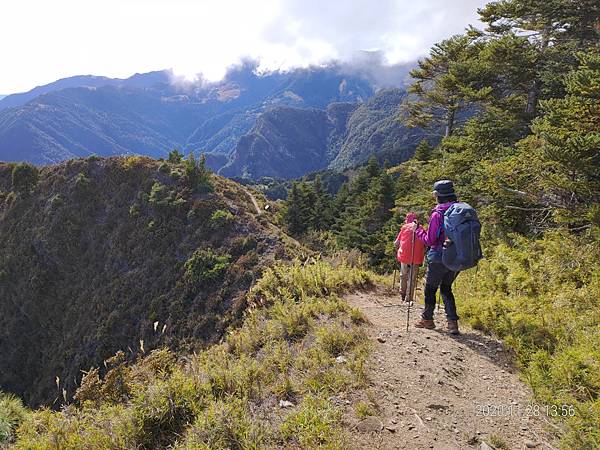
[554, 29]
[197, 174]
[444, 82]
[570, 132]
[373, 169]
[379, 201]
[294, 212]
[322, 211]
[175, 156]
[423, 151]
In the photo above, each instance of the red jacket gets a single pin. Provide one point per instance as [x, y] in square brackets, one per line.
[411, 250]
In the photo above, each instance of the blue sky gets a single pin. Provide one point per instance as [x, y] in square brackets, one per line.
[46, 40]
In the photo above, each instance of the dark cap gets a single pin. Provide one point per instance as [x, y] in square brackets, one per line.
[443, 188]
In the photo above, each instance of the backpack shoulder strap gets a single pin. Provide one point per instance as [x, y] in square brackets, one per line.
[441, 228]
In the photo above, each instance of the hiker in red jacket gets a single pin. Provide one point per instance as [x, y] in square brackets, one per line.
[410, 255]
[438, 275]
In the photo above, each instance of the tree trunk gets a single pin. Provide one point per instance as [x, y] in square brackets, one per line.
[532, 98]
[450, 121]
[534, 92]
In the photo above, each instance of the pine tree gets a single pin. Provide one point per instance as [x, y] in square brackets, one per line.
[307, 203]
[570, 133]
[175, 156]
[373, 169]
[423, 151]
[379, 201]
[444, 82]
[322, 211]
[554, 29]
[548, 22]
[197, 174]
[295, 212]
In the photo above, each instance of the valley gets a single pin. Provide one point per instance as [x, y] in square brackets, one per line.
[152, 114]
[223, 264]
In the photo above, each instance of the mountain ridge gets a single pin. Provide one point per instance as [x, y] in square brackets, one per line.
[147, 116]
[289, 142]
[136, 80]
[101, 255]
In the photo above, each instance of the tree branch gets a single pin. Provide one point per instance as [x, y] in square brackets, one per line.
[520, 208]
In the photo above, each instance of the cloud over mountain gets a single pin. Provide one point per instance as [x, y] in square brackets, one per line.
[117, 38]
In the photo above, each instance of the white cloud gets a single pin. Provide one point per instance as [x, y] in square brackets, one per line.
[45, 40]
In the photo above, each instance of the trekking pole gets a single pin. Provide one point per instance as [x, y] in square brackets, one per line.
[410, 279]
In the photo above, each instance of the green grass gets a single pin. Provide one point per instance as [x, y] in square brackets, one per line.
[227, 396]
[12, 413]
[498, 442]
[364, 409]
[543, 299]
[316, 424]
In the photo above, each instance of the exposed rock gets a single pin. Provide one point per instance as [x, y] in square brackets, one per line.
[370, 424]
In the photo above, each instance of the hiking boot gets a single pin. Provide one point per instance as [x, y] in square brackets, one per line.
[427, 324]
[453, 327]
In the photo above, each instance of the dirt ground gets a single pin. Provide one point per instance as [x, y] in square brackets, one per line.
[431, 390]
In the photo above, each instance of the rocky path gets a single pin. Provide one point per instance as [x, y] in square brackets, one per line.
[430, 390]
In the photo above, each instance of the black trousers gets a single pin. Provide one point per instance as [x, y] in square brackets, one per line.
[439, 276]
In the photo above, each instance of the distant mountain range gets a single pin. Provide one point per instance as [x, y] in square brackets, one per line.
[279, 124]
[136, 81]
[291, 142]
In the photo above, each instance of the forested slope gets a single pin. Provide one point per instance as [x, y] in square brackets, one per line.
[100, 255]
[290, 142]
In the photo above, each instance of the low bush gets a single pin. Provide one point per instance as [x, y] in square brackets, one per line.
[24, 178]
[163, 199]
[205, 266]
[106, 427]
[220, 218]
[164, 168]
[314, 425]
[164, 409]
[223, 397]
[543, 299]
[12, 413]
[227, 425]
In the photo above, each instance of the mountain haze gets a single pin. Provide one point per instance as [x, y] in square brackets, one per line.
[138, 80]
[149, 114]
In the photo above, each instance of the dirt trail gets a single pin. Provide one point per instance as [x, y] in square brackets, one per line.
[274, 227]
[259, 211]
[432, 390]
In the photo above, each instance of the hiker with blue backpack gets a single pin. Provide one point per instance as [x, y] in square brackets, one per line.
[453, 240]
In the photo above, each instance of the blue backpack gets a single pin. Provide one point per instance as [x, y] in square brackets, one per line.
[463, 229]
